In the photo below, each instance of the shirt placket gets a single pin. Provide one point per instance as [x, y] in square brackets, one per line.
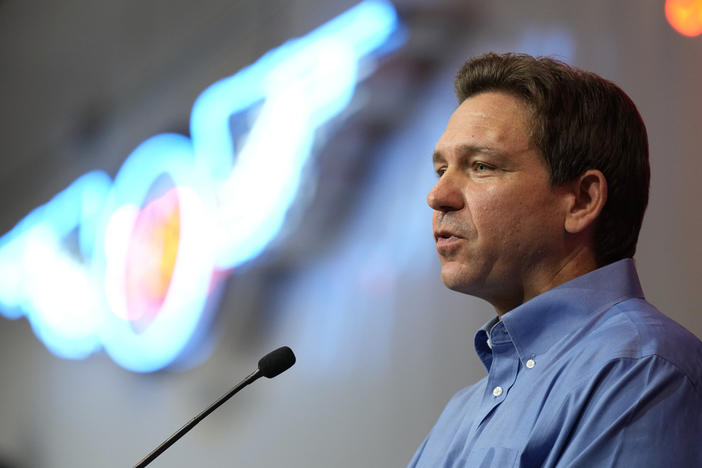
[503, 371]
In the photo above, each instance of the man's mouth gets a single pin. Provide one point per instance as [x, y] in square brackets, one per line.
[445, 239]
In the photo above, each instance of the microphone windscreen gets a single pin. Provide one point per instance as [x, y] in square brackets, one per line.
[276, 362]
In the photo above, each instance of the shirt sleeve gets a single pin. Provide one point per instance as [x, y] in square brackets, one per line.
[633, 412]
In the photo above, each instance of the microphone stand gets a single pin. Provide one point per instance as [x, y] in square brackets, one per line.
[183, 430]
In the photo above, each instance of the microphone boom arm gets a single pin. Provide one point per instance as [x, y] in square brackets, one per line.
[193, 422]
[270, 365]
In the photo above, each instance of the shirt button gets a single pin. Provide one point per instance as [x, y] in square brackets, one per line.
[497, 391]
[530, 364]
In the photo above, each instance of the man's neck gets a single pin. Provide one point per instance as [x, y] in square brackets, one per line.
[545, 278]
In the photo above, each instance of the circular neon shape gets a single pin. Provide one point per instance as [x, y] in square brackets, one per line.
[160, 341]
[685, 16]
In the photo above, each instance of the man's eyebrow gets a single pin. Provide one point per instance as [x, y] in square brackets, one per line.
[437, 157]
[467, 150]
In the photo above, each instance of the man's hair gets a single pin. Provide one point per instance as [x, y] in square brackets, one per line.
[580, 121]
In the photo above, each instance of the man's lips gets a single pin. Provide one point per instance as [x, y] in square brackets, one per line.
[445, 239]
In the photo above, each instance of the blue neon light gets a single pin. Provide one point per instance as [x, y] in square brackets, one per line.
[63, 265]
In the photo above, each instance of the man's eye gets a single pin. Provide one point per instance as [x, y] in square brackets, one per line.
[481, 167]
[440, 171]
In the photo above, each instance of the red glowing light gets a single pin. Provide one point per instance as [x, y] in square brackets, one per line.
[685, 16]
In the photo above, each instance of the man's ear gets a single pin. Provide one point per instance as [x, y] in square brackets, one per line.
[589, 194]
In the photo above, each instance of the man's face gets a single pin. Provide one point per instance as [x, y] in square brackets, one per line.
[498, 222]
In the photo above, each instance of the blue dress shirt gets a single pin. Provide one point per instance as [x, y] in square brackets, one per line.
[587, 374]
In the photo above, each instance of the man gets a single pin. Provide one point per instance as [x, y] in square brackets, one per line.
[543, 182]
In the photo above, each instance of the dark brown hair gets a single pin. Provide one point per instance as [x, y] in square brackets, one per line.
[580, 121]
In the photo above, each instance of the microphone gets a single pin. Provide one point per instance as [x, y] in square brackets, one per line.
[270, 365]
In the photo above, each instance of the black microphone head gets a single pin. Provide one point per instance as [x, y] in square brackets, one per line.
[276, 362]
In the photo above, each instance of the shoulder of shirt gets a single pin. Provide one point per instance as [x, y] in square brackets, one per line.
[634, 329]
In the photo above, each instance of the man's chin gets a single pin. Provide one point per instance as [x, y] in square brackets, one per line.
[458, 279]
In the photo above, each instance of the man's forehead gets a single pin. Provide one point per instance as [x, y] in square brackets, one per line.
[490, 123]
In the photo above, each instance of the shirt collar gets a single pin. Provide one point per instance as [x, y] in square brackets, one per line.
[538, 323]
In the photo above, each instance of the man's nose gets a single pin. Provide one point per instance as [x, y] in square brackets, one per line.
[445, 195]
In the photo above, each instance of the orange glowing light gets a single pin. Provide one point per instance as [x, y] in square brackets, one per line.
[151, 258]
[685, 16]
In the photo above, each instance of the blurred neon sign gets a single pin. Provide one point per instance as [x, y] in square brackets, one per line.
[127, 264]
